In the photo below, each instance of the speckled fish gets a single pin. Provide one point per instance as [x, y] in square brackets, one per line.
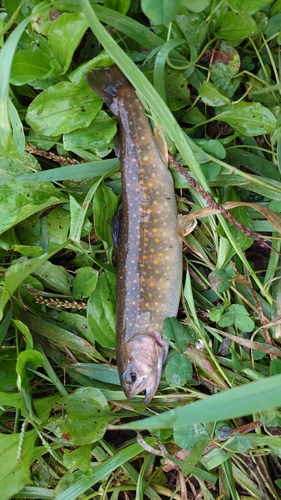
[149, 261]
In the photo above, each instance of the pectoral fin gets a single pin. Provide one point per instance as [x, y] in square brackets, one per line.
[161, 144]
[115, 228]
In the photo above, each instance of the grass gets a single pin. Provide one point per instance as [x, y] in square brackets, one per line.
[208, 76]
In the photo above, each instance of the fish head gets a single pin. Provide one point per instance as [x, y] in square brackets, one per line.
[140, 364]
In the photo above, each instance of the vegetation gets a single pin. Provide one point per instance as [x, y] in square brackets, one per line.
[208, 72]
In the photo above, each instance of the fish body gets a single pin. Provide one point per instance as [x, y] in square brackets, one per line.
[149, 261]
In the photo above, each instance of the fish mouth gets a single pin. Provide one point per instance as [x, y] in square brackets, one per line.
[149, 394]
[148, 384]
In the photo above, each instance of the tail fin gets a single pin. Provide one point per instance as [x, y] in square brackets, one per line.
[107, 83]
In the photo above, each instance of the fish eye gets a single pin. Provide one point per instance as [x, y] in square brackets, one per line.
[129, 377]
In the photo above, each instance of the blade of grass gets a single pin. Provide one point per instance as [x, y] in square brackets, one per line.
[160, 62]
[82, 171]
[51, 373]
[251, 398]
[35, 492]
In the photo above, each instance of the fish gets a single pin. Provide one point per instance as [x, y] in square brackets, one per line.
[149, 257]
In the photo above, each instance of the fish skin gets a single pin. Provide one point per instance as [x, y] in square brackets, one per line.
[149, 263]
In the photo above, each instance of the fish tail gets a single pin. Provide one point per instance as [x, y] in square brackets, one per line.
[107, 83]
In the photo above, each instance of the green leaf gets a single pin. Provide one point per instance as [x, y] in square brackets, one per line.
[18, 132]
[105, 203]
[212, 96]
[275, 367]
[95, 138]
[193, 116]
[187, 437]
[12, 399]
[84, 419]
[46, 232]
[176, 331]
[227, 319]
[54, 277]
[61, 39]
[211, 170]
[101, 310]
[237, 309]
[244, 323]
[15, 460]
[29, 65]
[30, 356]
[62, 337]
[248, 119]
[103, 373]
[84, 282]
[247, 6]
[178, 370]
[194, 456]
[211, 147]
[194, 28]
[160, 12]
[235, 360]
[13, 167]
[75, 323]
[257, 355]
[216, 314]
[234, 26]
[178, 93]
[239, 316]
[222, 282]
[26, 333]
[77, 459]
[20, 199]
[273, 25]
[118, 5]
[197, 6]
[62, 108]
[222, 72]
[8, 379]
[256, 164]
[215, 457]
